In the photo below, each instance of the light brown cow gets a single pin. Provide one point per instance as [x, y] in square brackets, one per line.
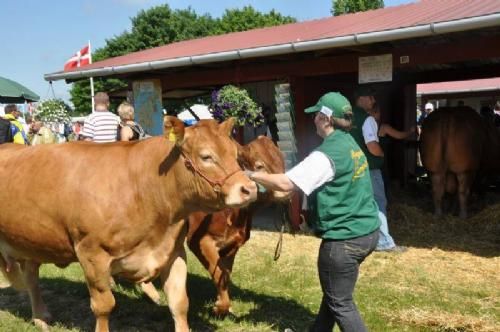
[456, 143]
[216, 238]
[115, 208]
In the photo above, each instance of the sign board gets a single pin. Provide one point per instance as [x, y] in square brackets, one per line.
[375, 69]
[148, 106]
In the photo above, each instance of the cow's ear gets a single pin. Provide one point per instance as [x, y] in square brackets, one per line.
[244, 157]
[173, 129]
[226, 127]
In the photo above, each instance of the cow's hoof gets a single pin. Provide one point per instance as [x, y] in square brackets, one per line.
[41, 324]
[151, 292]
[222, 312]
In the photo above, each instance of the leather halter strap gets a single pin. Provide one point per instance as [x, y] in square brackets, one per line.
[216, 184]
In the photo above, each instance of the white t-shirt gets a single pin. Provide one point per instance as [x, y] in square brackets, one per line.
[101, 127]
[370, 130]
[312, 172]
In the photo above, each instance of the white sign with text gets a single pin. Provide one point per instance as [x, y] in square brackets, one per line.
[375, 69]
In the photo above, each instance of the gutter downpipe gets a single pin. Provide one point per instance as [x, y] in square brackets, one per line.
[294, 47]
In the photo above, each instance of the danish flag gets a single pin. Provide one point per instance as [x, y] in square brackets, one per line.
[80, 59]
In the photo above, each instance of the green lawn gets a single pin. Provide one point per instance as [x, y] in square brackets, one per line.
[447, 281]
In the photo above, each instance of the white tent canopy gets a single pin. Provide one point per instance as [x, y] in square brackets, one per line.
[199, 109]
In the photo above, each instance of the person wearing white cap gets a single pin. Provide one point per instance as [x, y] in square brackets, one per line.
[429, 107]
[336, 179]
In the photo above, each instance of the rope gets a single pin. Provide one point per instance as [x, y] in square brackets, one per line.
[284, 218]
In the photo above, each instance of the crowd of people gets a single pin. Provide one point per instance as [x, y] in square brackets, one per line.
[100, 126]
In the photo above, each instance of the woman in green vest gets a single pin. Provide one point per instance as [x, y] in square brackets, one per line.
[345, 214]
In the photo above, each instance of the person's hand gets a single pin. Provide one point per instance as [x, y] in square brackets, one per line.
[249, 173]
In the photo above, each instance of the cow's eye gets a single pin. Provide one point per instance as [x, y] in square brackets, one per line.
[259, 167]
[207, 158]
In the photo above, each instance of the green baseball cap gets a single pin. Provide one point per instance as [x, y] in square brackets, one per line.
[331, 104]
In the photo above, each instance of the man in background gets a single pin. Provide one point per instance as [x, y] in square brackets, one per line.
[365, 133]
[102, 125]
[12, 114]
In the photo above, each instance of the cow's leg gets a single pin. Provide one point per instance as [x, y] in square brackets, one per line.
[174, 285]
[11, 270]
[96, 269]
[40, 313]
[464, 184]
[438, 187]
[222, 278]
[220, 271]
[150, 290]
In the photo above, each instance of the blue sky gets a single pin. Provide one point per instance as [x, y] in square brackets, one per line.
[38, 36]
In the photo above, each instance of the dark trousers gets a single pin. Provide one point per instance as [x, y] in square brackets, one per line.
[338, 268]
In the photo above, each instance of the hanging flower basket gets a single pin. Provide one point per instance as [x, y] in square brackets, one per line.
[52, 111]
[231, 101]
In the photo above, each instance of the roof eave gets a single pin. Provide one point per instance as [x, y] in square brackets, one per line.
[472, 23]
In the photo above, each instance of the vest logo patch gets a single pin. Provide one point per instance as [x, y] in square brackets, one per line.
[360, 164]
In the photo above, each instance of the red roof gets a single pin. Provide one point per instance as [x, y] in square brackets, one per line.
[459, 86]
[390, 18]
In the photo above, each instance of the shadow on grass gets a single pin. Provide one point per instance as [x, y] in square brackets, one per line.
[69, 303]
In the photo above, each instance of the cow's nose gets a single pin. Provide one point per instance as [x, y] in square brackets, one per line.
[249, 192]
[242, 195]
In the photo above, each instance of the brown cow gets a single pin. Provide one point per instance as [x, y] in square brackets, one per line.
[115, 208]
[456, 143]
[216, 238]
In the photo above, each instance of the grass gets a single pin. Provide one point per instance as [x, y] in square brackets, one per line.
[447, 281]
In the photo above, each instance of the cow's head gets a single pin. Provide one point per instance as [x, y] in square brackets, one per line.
[210, 158]
[262, 155]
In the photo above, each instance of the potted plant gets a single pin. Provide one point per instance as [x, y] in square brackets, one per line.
[231, 101]
[52, 111]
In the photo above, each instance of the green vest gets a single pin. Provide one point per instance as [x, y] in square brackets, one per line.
[344, 208]
[357, 133]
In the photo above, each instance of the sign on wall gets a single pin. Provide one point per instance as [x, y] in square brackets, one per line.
[148, 105]
[375, 69]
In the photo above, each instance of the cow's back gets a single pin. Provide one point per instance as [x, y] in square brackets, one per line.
[452, 140]
[49, 189]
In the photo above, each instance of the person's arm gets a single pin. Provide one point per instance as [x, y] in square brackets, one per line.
[370, 135]
[375, 149]
[300, 176]
[394, 133]
[279, 182]
[126, 133]
[88, 130]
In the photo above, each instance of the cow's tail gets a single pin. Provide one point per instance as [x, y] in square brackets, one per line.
[11, 270]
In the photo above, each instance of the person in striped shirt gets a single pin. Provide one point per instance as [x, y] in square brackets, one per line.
[102, 125]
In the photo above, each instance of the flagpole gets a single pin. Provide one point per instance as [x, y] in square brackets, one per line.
[91, 80]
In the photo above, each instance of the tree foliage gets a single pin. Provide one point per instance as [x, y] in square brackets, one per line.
[161, 25]
[340, 7]
[235, 20]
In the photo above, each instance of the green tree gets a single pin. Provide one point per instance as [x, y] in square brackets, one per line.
[340, 7]
[247, 18]
[161, 25]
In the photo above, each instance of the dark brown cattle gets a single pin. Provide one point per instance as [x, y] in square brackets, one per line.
[216, 238]
[117, 209]
[456, 144]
